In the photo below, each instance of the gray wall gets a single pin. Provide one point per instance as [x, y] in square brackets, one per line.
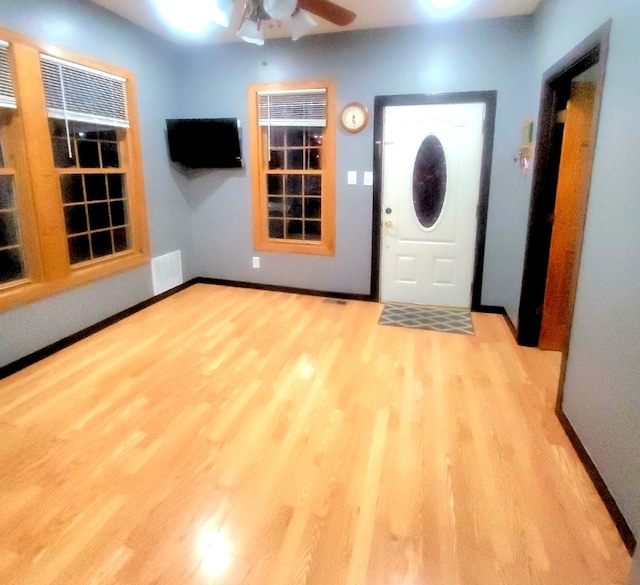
[634, 578]
[482, 55]
[90, 31]
[602, 389]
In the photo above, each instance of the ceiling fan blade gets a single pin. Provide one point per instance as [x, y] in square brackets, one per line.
[329, 11]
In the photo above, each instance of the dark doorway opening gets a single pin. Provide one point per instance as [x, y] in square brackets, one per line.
[586, 61]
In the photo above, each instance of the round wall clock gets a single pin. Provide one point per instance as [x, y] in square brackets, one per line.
[354, 117]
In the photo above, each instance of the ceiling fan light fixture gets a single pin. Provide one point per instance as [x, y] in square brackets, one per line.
[257, 12]
[251, 32]
[302, 24]
[279, 9]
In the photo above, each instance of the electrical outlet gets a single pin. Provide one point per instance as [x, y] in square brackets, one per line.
[256, 261]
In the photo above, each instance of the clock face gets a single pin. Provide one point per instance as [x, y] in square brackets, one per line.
[354, 117]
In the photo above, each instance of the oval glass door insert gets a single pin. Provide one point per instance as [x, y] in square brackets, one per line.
[429, 181]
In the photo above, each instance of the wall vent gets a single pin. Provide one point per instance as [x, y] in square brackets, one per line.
[166, 272]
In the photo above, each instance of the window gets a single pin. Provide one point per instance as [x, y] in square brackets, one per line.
[12, 265]
[293, 167]
[71, 207]
[93, 190]
[429, 181]
[12, 262]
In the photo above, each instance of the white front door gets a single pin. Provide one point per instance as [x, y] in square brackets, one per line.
[431, 163]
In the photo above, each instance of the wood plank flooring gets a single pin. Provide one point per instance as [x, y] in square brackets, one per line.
[235, 436]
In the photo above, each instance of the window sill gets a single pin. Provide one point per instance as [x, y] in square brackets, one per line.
[289, 247]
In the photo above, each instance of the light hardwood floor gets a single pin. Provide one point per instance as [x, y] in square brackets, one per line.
[235, 436]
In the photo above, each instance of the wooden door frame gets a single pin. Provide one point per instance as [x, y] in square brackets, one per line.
[489, 99]
[556, 83]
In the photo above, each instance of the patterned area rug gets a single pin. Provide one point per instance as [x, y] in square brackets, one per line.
[432, 318]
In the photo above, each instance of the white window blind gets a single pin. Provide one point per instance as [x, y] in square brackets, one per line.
[7, 96]
[83, 94]
[297, 107]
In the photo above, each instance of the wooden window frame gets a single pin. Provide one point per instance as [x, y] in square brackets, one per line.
[38, 186]
[259, 170]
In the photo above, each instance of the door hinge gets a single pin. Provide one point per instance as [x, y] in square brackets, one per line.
[551, 218]
[539, 309]
[561, 116]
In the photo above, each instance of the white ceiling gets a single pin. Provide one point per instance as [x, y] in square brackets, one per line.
[370, 14]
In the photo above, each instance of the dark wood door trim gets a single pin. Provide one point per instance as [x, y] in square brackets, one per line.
[490, 99]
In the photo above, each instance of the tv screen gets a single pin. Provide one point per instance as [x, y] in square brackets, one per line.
[205, 143]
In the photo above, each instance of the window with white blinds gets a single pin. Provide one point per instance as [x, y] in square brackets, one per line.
[7, 95]
[303, 107]
[292, 136]
[91, 222]
[83, 94]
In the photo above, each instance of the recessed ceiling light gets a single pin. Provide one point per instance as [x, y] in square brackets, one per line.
[444, 8]
[190, 16]
[444, 3]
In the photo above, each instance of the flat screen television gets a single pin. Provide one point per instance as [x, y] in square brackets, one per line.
[205, 143]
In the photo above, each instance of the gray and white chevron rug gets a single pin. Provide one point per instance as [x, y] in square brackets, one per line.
[445, 319]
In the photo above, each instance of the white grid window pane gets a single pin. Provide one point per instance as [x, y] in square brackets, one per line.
[293, 108]
[75, 92]
[7, 96]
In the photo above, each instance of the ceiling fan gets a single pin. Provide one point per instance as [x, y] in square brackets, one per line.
[257, 12]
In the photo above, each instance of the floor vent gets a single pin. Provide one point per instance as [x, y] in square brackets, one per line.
[335, 301]
[166, 272]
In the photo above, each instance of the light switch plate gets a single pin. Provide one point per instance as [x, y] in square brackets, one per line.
[352, 177]
[368, 178]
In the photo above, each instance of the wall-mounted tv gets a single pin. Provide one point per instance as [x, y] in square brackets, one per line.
[205, 143]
